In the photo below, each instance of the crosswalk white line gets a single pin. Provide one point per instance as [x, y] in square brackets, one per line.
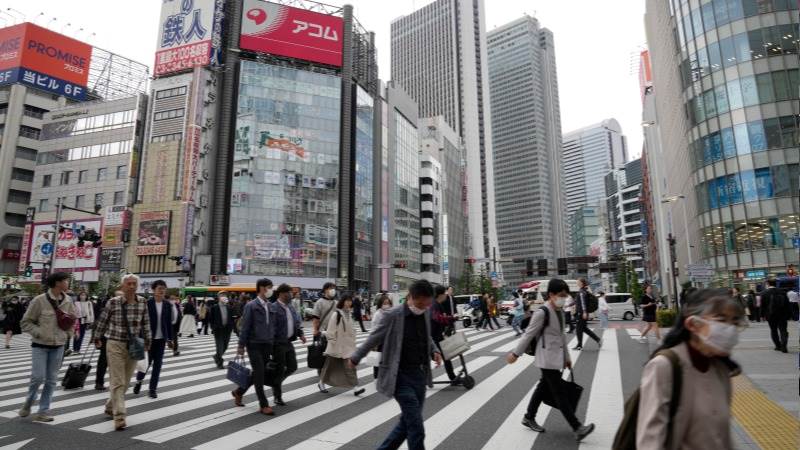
[605, 406]
[341, 434]
[17, 445]
[505, 348]
[511, 434]
[633, 332]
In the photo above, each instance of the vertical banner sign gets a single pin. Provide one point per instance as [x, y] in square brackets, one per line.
[188, 233]
[26, 239]
[186, 35]
[297, 33]
[153, 237]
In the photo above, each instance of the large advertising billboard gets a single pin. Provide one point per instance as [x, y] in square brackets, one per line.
[68, 255]
[44, 59]
[297, 33]
[189, 35]
[153, 237]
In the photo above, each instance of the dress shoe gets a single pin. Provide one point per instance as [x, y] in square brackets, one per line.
[176, 353]
[279, 401]
[359, 392]
[583, 431]
[785, 350]
[119, 424]
[531, 423]
[99, 387]
[153, 394]
[577, 347]
[137, 387]
[237, 398]
[267, 411]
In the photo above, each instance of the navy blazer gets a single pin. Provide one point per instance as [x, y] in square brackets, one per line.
[166, 319]
[255, 327]
[282, 324]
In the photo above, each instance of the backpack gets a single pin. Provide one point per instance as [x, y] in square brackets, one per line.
[625, 439]
[591, 302]
[531, 350]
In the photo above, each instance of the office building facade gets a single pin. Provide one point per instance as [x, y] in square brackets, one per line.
[439, 57]
[526, 136]
[625, 214]
[728, 70]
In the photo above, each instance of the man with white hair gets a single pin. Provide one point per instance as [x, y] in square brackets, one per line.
[123, 319]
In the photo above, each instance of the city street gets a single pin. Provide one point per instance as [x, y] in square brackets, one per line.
[194, 408]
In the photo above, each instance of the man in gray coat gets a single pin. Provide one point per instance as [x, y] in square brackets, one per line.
[547, 326]
[405, 334]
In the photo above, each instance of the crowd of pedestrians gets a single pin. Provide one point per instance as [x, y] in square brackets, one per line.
[135, 332]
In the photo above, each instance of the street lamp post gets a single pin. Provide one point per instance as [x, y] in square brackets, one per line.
[328, 256]
[675, 198]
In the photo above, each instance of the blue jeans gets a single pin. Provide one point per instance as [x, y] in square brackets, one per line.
[410, 394]
[603, 319]
[44, 369]
[516, 321]
[155, 358]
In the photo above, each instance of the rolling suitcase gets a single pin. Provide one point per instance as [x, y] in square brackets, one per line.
[77, 372]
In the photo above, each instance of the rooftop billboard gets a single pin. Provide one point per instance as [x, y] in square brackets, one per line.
[297, 33]
[189, 34]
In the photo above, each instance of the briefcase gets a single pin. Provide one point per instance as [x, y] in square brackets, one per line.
[569, 389]
[77, 372]
[239, 373]
[316, 354]
[454, 345]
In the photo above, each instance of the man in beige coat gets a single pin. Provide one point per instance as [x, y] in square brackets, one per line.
[547, 326]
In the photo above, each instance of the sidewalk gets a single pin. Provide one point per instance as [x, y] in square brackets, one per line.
[765, 403]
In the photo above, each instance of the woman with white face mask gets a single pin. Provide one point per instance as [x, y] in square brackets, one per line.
[701, 341]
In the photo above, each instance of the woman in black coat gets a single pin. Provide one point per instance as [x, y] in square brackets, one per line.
[12, 310]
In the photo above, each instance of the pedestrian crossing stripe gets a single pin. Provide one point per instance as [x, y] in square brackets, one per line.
[189, 384]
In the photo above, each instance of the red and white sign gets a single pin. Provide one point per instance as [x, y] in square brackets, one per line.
[68, 255]
[297, 33]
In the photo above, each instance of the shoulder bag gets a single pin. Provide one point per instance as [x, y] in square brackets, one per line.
[135, 342]
[65, 321]
[454, 345]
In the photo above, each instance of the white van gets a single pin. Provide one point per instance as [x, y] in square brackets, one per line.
[620, 306]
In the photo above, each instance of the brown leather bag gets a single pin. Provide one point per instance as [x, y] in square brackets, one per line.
[65, 321]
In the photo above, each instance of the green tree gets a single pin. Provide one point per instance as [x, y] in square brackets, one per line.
[635, 286]
[622, 276]
[465, 283]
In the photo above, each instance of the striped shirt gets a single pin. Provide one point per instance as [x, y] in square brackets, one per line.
[111, 324]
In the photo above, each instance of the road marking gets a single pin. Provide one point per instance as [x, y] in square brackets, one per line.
[605, 405]
[349, 430]
[17, 445]
[770, 426]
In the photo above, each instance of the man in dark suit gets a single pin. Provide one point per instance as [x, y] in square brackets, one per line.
[221, 320]
[161, 329]
[582, 315]
[177, 315]
[777, 309]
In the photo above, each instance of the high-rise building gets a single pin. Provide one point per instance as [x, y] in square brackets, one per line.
[526, 136]
[625, 214]
[589, 154]
[439, 58]
[725, 74]
[585, 229]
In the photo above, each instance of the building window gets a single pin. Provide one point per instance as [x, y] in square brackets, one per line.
[98, 200]
[29, 132]
[44, 205]
[166, 137]
[32, 111]
[174, 92]
[65, 177]
[46, 180]
[122, 172]
[102, 174]
[22, 174]
[15, 220]
[80, 201]
[26, 153]
[118, 197]
[83, 176]
[15, 196]
[168, 114]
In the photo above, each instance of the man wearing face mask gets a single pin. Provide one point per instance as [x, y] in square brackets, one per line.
[221, 327]
[324, 306]
[547, 326]
[404, 333]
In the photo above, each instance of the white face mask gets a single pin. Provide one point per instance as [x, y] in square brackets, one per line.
[331, 293]
[415, 310]
[268, 294]
[561, 301]
[722, 337]
[386, 306]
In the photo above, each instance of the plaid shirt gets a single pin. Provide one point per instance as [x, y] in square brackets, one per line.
[111, 324]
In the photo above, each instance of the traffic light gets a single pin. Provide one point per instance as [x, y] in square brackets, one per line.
[529, 267]
[28, 271]
[541, 267]
[562, 266]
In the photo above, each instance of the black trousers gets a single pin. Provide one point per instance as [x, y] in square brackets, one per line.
[175, 331]
[360, 319]
[551, 383]
[222, 337]
[259, 356]
[582, 328]
[448, 365]
[102, 365]
[779, 333]
[568, 320]
[284, 356]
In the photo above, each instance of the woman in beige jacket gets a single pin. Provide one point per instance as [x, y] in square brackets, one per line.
[341, 338]
[702, 339]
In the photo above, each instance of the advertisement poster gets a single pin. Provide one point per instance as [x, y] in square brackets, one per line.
[189, 35]
[67, 253]
[297, 33]
[153, 237]
[110, 259]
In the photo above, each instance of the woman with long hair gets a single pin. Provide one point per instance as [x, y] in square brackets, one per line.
[341, 338]
[188, 323]
[705, 333]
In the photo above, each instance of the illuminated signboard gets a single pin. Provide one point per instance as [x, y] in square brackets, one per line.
[45, 60]
[297, 33]
[189, 35]
[68, 255]
[153, 238]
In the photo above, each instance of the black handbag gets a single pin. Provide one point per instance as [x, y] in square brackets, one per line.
[316, 353]
[569, 389]
[239, 373]
[135, 342]
[77, 372]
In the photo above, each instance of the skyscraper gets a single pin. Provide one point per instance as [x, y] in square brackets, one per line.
[438, 57]
[589, 154]
[526, 132]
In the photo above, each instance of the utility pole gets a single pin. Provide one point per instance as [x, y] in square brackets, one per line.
[54, 241]
[672, 260]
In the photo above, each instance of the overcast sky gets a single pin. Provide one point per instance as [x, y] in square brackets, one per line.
[596, 43]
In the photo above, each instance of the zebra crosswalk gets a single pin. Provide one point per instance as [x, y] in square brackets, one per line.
[194, 408]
